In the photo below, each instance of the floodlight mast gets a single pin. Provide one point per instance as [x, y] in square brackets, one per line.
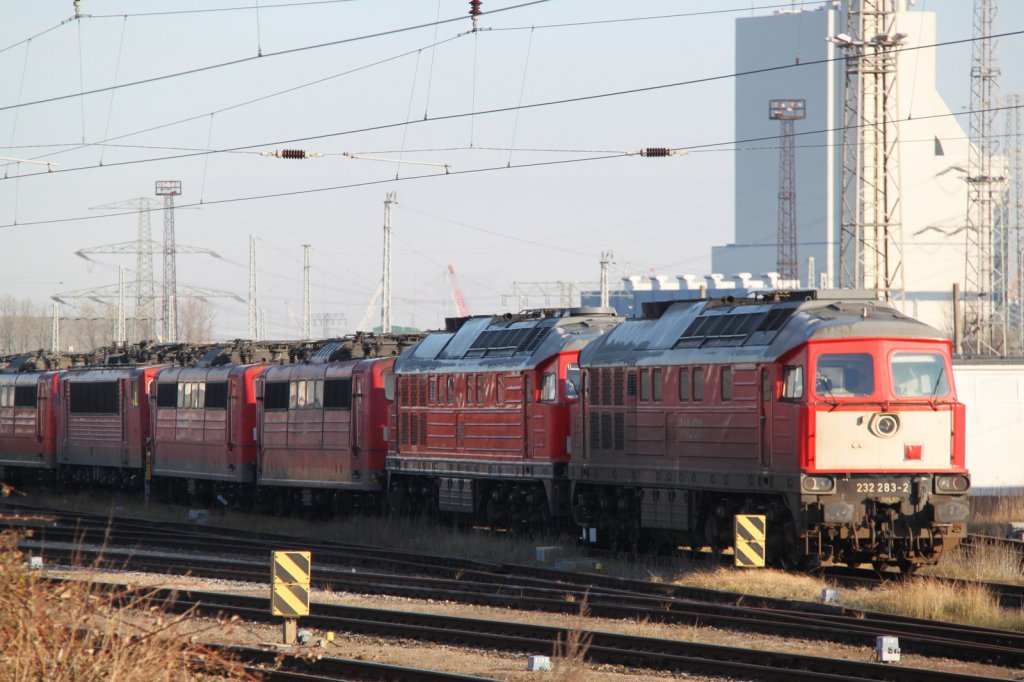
[786, 111]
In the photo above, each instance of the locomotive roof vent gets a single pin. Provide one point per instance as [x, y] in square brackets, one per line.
[592, 311]
[213, 358]
[328, 352]
[498, 343]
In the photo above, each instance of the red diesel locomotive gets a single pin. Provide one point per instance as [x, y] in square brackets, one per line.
[834, 417]
[481, 427]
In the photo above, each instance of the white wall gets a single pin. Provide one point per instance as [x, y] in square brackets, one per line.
[994, 397]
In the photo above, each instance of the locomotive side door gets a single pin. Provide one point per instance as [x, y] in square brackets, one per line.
[529, 407]
[355, 436]
[766, 397]
[125, 389]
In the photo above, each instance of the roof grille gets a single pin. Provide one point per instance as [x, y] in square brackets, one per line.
[736, 326]
[503, 343]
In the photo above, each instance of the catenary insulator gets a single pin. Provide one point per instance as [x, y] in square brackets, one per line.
[474, 8]
[293, 154]
[656, 151]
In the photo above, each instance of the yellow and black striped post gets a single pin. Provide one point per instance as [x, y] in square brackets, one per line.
[289, 593]
[750, 534]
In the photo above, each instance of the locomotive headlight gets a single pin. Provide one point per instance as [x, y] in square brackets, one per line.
[884, 425]
[952, 484]
[818, 485]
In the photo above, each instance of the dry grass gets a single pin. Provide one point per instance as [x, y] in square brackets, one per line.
[922, 598]
[992, 563]
[918, 598]
[570, 654]
[74, 631]
[762, 582]
[991, 513]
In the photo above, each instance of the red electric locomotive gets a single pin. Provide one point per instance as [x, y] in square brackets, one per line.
[323, 426]
[103, 423]
[204, 431]
[28, 423]
[481, 426]
[833, 415]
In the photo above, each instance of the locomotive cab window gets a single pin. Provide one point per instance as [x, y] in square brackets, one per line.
[275, 395]
[216, 395]
[167, 394]
[793, 382]
[572, 381]
[338, 393]
[549, 386]
[25, 396]
[919, 375]
[844, 375]
[99, 397]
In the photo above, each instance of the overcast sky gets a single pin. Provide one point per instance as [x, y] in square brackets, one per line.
[534, 193]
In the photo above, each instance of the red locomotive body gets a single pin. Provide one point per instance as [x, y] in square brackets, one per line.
[709, 410]
[481, 425]
[322, 429]
[28, 420]
[103, 422]
[204, 426]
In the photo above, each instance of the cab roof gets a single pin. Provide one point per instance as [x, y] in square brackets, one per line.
[506, 342]
[750, 329]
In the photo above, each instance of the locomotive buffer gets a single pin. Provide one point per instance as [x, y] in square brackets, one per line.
[289, 593]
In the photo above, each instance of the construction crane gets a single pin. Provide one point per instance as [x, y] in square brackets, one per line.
[457, 296]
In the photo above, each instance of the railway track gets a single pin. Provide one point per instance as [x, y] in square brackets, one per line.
[272, 666]
[626, 650]
[501, 586]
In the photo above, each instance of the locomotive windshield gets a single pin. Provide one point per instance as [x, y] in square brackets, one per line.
[844, 375]
[916, 375]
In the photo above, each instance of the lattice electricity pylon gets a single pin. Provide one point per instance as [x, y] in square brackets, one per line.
[169, 189]
[145, 299]
[143, 286]
[984, 270]
[1015, 215]
[109, 294]
[871, 237]
[786, 111]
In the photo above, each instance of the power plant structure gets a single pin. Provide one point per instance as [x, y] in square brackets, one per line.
[884, 168]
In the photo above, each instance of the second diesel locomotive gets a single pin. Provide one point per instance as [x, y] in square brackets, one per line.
[834, 416]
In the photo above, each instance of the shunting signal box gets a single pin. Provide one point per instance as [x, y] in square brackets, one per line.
[750, 540]
[290, 573]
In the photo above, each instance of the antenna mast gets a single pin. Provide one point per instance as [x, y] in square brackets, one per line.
[253, 302]
[307, 317]
[385, 306]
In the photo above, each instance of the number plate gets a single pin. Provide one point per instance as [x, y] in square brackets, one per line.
[882, 487]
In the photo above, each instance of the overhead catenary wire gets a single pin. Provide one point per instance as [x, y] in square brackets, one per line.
[268, 55]
[583, 98]
[489, 169]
